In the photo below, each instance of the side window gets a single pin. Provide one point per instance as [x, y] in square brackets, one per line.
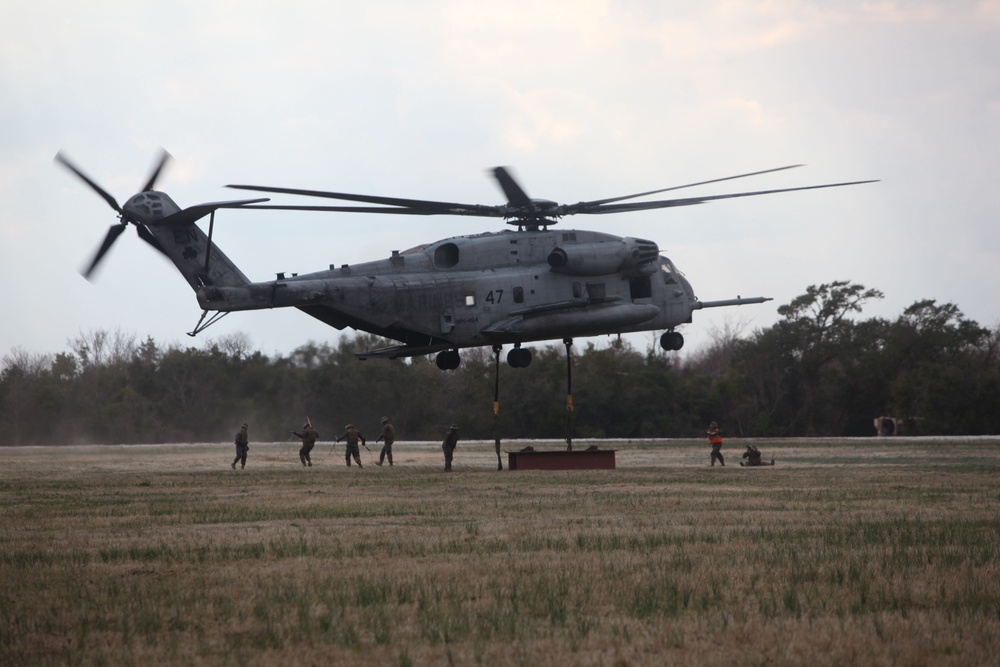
[577, 290]
[470, 299]
[596, 290]
[640, 288]
[518, 295]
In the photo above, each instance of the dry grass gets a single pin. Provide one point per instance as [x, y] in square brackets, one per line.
[846, 552]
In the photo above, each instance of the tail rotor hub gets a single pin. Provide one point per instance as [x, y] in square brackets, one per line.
[141, 209]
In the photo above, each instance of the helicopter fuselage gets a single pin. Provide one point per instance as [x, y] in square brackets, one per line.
[509, 287]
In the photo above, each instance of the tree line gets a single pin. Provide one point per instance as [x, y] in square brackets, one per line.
[819, 371]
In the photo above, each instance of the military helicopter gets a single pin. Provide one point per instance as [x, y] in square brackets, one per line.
[488, 289]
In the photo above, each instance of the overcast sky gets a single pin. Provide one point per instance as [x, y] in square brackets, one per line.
[581, 99]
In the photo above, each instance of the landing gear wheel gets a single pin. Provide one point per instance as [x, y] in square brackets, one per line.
[519, 357]
[672, 340]
[448, 360]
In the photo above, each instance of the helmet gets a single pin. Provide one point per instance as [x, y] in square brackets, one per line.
[454, 427]
[713, 425]
[306, 425]
[349, 426]
[385, 419]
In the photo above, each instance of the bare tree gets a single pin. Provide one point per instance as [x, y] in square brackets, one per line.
[99, 347]
[236, 345]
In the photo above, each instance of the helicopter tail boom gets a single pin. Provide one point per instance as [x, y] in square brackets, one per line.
[260, 296]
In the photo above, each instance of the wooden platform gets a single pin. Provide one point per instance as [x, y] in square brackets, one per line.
[584, 459]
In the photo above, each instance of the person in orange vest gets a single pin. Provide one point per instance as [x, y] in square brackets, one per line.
[715, 439]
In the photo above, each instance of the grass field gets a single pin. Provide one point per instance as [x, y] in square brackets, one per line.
[845, 553]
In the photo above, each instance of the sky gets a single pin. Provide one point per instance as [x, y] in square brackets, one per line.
[582, 99]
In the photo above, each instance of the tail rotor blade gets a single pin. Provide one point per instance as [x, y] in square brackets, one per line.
[116, 230]
[151, 181]
[61, 159]
[148, 237]
[112, 236]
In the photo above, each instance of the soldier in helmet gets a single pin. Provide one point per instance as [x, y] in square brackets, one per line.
[715, 439]
[242, 447]
[449, 444]
[389, 435]
[309, 436]
[352, 435]
[753, 457]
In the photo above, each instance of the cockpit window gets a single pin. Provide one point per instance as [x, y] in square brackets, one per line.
[668, 274]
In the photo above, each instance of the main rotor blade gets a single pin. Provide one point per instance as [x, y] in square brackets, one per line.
[479, 211]
[515, 195]
[667, 203]
[344, 209]
[571, 208]
[520, 206]
[429, 206]
[151, 181]
[60, 158]
[109, 239]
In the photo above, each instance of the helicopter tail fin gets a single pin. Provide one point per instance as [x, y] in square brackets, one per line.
[199, 260]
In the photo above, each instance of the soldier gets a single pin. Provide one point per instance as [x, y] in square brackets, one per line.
[752, 454]
[352, 435]
[309, 436]
[715, 439]
[449, 444]
[242, 446]
[389, 434]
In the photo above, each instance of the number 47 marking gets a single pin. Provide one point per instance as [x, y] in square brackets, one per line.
[494, 299]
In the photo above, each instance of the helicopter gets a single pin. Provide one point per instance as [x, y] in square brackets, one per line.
[511, 287]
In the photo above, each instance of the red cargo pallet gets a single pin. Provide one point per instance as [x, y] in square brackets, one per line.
[585, 459]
